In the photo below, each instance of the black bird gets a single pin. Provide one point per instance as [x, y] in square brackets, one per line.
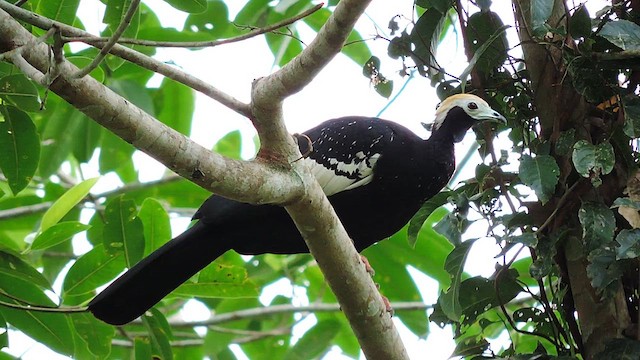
[376, 174]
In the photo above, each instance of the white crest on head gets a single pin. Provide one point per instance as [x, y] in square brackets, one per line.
[474, 106]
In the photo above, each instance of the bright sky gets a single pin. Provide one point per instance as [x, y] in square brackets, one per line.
[340, 89]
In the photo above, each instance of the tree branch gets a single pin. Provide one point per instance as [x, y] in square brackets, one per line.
[202, 44]
[248, 181]
[124, 24]
[313, 215]
[132, 56]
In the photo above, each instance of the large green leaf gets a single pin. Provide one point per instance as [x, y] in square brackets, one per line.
[450, 300]
[19, 147]
[598, 224]
[57, 234]
[541, 174]
[96, 334]
[59, 10]
[418, 220]
[49, 329]
[629, 241]
[155, 220]
[622, 33]
[115, 12]
[219, 280]
[354, 48]
[591, 161]
[18, 90]
[59, 137]
[123, 230]
[19, 271]
[425, 36]
[93, 269]
[159, 333]
[315, 342]
[488, 41]
[190, 6]
[214, 22]
[176, 103]
[580, 22]
[540, 12]
[65, 203]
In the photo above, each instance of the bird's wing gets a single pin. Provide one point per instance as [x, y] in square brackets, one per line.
[344, 151]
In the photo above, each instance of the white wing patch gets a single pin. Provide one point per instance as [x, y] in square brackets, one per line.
[356, 173]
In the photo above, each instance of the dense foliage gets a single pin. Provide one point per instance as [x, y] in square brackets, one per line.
[577, 155]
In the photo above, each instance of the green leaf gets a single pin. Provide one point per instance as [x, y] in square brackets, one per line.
[83, 61]
[418, 220]
[565, 142]
[598, 224]
[425, 36]
[59, 136]
[93, 269]
[626, 202]
[123, 231]
[451, 228]
[59, 10]
[18, 90]
[591, 161]
[190, 6]
[220, 280]
[604, 271]
[540, 12]
[113, 15]
[19, 147]
[315, 342]
[89, 134]
[629, 241]
[470, 346]
[541, 174]
[450, 301]
[57, 234]
[527, 239]
[65, 203]
[230, 145]
[159, 333]
[49, 329]
[214, 21]
[155, 220]
[488, 42]
[96, 334]
[580, 22]
[354, 48]
[18, 270]
[622, 33]
[631, 107]
[176, 103]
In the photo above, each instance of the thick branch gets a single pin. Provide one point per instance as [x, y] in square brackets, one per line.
[313, 215]
[243, 181]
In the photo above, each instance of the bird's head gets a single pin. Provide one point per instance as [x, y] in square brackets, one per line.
[458, 113]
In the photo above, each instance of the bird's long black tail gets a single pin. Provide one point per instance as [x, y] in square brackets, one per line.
[157, 275]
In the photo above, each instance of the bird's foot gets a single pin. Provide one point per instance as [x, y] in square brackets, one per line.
[387, 304]
[367, 265]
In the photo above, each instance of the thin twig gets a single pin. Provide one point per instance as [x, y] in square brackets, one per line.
[200, 44]
[279, 309]
[124, 24]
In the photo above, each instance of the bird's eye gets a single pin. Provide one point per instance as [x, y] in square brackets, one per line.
[472, 106]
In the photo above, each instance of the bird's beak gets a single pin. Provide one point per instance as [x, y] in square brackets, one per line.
[491, 115]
